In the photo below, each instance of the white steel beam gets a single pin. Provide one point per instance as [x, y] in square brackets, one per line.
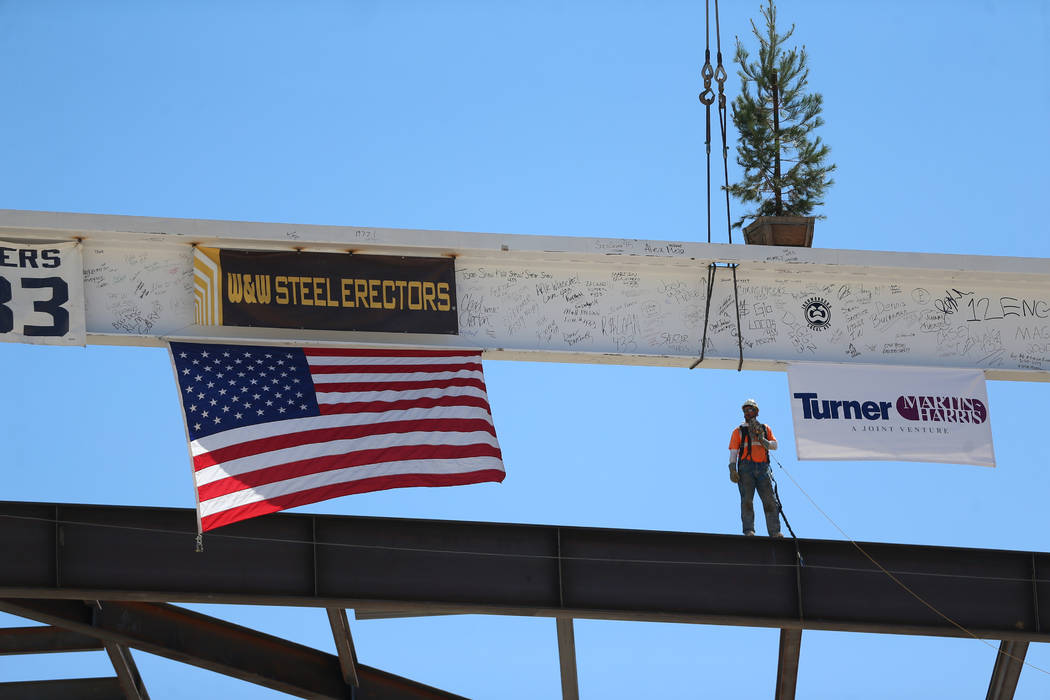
[596, 300]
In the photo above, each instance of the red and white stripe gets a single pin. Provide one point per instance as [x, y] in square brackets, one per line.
[388, 419]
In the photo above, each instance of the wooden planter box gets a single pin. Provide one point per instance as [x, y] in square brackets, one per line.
[780, 230]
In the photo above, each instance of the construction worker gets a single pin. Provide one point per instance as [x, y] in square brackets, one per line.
[749, 469]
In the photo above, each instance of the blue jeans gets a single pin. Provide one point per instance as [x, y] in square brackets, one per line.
[755, 475]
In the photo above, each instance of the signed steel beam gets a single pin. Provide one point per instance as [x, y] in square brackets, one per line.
[592, 300]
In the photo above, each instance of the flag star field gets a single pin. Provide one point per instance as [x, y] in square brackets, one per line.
[231, 386]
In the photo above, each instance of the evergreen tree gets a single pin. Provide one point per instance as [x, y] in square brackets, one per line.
[785, 172]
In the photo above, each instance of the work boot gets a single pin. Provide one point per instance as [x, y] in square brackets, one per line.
[749, 533]
[777, 535]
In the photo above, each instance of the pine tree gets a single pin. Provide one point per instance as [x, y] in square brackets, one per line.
[785, 172]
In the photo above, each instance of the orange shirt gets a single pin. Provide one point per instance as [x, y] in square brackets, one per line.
[757, 453]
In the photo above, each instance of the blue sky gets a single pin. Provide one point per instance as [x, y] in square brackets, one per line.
[551, 118]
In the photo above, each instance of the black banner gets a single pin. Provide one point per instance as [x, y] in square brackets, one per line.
[340, 292]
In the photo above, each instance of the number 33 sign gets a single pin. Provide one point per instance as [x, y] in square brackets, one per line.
[42, 293]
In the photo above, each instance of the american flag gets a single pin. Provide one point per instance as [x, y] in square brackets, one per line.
[274, 427]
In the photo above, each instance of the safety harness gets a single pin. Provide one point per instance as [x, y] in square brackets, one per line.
[746, 443]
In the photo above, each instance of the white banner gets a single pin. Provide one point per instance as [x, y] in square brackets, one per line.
[901, 414]
[42, 293]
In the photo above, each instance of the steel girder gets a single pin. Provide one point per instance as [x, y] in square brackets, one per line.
[787, 664]
[121, 553]
[127, 671]
[64, 689]
[45, 640]
[206, 642]
[1007, 670]
[570, 684]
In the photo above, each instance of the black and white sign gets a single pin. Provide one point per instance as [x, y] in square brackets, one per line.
[42, 293]
[900, 414]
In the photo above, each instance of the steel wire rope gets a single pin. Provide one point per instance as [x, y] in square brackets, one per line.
[707, 98]
[739, 333]
[711, 268]
[707, 313]
[720, 78]
[903, 585]
[798, 551]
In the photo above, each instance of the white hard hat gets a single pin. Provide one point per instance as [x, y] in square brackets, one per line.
[752, 403]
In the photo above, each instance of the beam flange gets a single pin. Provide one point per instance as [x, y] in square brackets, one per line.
[370, 613]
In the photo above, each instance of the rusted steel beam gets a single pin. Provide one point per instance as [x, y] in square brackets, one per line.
[787, 664]
[206, 642]
[64, 689]
[1007, 670]
[127, 672]
[570, 684]
[44, 640]
[344, 645]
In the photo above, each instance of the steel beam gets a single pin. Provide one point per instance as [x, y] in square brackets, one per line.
[203, 641]
[1007, 670]
[383, 614]
[119, 553]
[64, 689]
[197, 640]
[619, 279]
[570, 684]
[787, 665]
[127, 672]
[44, 640]
[344, 645]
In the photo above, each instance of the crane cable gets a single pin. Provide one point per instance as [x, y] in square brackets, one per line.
[707, 98]
[720, 78]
